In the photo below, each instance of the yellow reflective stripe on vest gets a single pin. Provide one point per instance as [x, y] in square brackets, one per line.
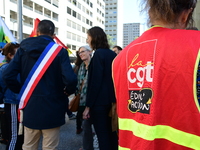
[160, 132]
[122, 148]
[195, 80]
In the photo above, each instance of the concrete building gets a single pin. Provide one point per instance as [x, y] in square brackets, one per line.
[114, 21]
[72, 18]
[131, 32]
[197, 14]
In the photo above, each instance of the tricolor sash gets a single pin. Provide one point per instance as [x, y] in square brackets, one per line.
[36, 73]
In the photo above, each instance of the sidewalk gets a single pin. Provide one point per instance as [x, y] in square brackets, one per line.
[69, 140]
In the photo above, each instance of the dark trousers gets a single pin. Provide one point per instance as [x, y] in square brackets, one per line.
[79, 117]
[107, 139]
[87, 135]
[15, 141]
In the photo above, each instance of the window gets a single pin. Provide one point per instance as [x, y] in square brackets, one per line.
[74, 2]
[78, 16]
[73, 37]
[78, 27]
[87, 21]
[83, 8]
[74, 25]
[74, 47]
[83, 40]
[90, 23]
[83, 19]
[78, 38]
[74, 13]
[79, 5]
[68, 35]
[83, 29]
[91, 14]
[91, 5]
[69, 10]
[87, 11]
[69, 46]
[68, 23]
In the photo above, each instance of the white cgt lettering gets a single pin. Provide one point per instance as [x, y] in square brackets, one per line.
[140, 74]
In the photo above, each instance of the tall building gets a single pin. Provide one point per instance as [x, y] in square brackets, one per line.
[114, 21]
[72, 18]
[196, 15]
[131, 32]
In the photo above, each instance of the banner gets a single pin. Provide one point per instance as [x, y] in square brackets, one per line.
[6, 35]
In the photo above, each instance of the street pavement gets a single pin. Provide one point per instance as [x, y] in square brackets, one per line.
[69, 140]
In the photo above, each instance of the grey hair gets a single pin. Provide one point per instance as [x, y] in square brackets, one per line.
[87, 47]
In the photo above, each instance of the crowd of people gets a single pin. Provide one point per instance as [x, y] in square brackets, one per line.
[152, 86]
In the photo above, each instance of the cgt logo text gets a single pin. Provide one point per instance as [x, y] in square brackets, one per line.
[140, 101]
[139, 76]
[140, 73]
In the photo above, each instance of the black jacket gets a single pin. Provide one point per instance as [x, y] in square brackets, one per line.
[100, 84]
[47, 104]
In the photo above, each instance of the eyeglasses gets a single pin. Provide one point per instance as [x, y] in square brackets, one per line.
[81, 52]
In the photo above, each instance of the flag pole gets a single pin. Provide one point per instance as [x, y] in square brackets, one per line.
[19, 21]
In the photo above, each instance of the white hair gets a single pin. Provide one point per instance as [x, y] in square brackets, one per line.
[87, 47]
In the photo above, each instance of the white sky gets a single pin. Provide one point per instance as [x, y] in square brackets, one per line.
[132, 13]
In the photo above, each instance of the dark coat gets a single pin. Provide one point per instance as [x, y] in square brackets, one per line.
[47, 104]
[100, 84]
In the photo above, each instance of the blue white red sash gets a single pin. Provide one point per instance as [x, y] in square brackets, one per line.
[36, 74]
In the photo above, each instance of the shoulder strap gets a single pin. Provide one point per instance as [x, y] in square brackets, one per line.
[37, 72]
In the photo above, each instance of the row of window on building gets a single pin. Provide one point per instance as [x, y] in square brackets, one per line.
[38, 9]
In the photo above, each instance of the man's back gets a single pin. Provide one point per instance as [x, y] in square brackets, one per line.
[47, 104]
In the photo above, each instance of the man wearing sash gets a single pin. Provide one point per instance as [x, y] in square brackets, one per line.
[45, 71]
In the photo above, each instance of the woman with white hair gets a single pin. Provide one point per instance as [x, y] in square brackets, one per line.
[85, 53]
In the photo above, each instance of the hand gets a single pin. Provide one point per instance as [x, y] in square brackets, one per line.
[86, 112]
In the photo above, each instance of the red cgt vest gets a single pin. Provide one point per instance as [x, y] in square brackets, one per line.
[155, 84]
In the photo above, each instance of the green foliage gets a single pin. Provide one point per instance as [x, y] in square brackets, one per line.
[110, 41]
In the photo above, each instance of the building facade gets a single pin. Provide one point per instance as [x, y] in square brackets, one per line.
[131, 31]
[72, 18]
[114, 21]
[196, 15]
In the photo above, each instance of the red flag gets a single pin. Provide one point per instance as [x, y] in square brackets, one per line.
[34, 34]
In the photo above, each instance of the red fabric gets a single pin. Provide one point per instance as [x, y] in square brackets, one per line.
[164, 60]
[34, 34]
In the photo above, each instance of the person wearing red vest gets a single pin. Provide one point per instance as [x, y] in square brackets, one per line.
[155, 80]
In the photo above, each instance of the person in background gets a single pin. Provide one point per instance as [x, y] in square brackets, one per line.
[155, 79]
[11, 102]
[45, 110]
[78, 63]
[100, 91]
[117, 49]
[85, 54]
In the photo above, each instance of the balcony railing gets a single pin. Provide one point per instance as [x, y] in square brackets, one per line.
[28, 7]
[47, 16]
[39, 12]
[56, 19]
[14, 1]
[28, 24]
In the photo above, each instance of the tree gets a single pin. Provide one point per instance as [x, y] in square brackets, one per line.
[110, 41]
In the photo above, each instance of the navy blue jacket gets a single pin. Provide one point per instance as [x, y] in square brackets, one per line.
[8, 96]
[100, 84]
[47, 104]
